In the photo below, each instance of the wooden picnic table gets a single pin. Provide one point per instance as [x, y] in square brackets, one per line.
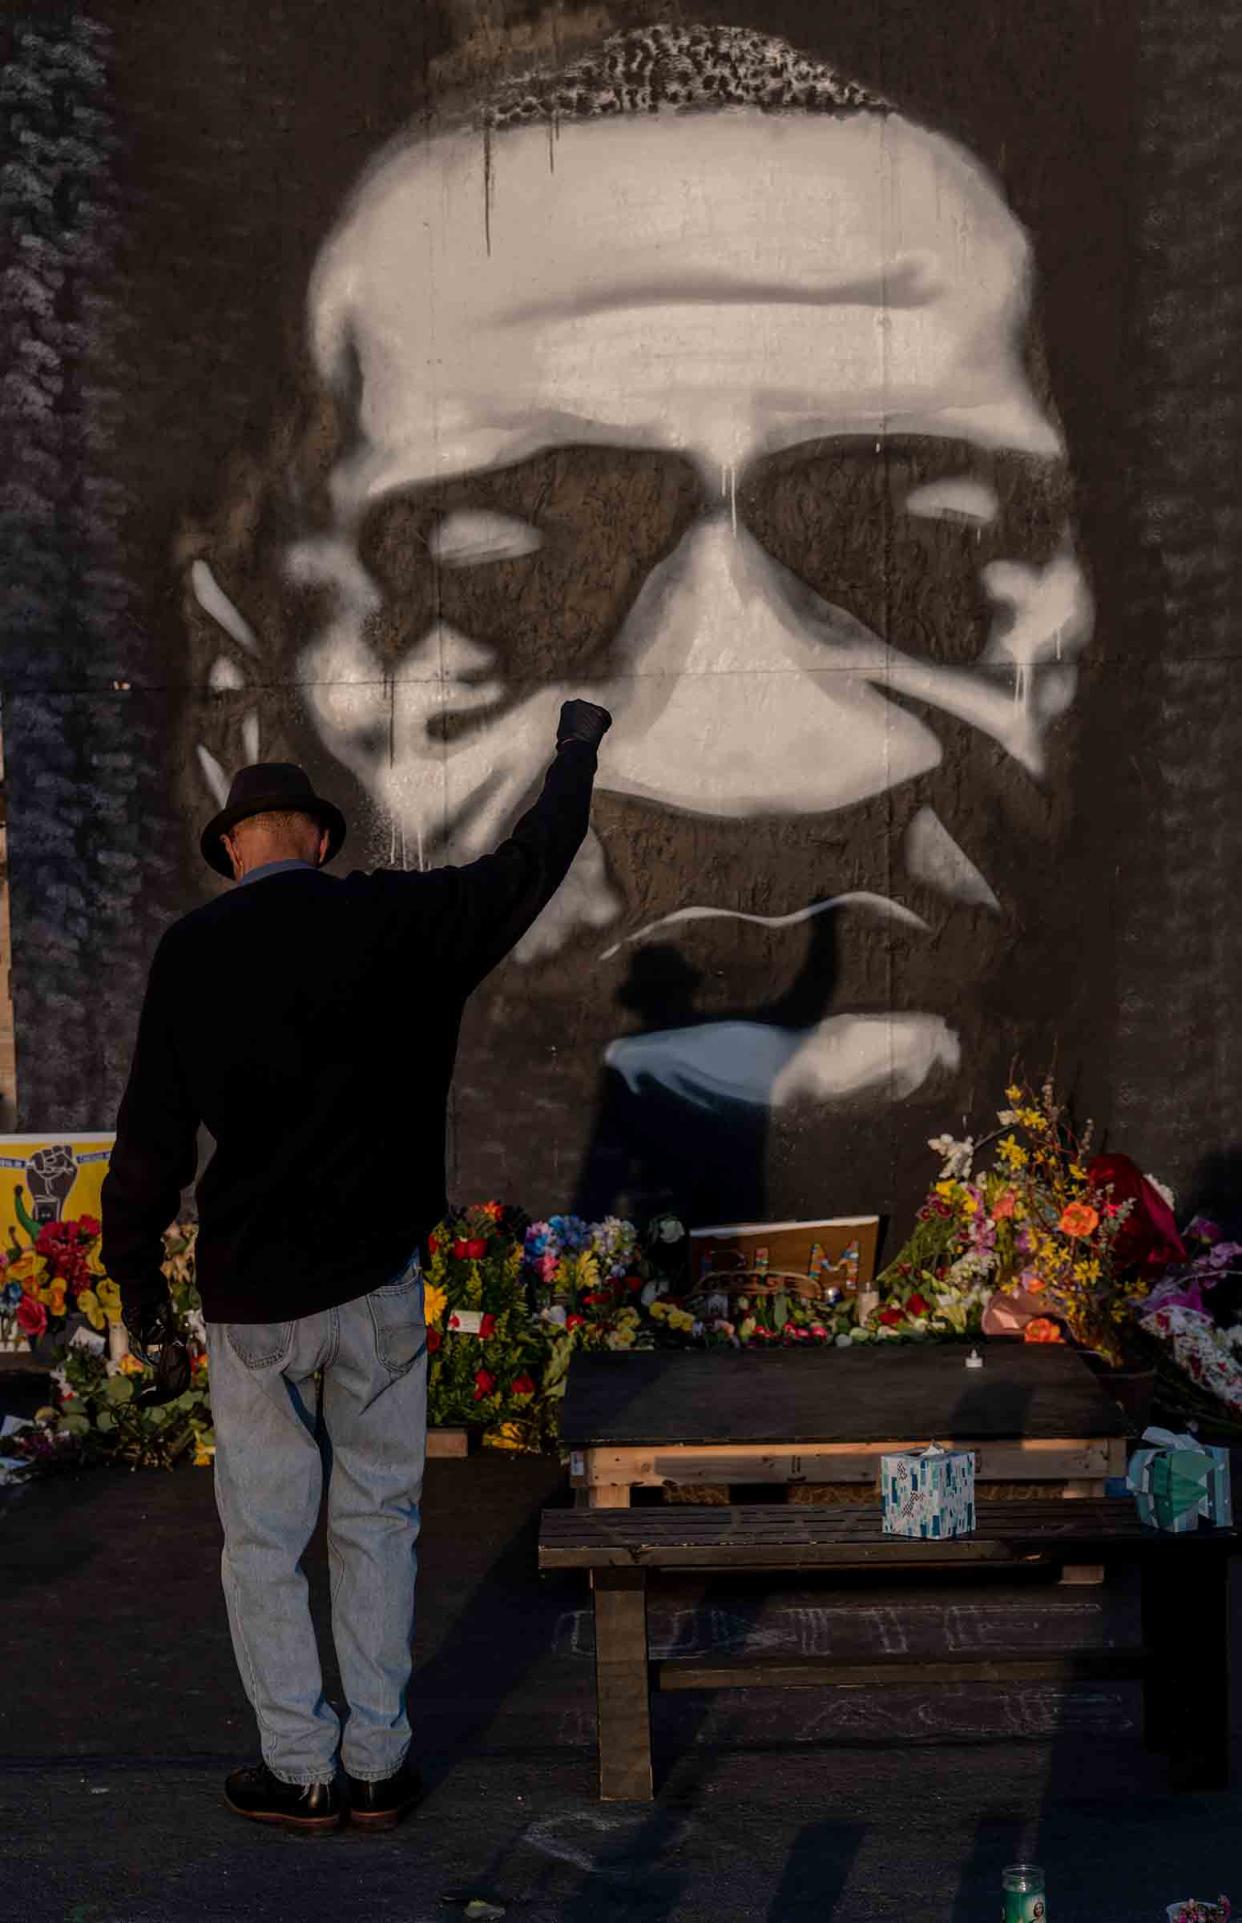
[1185, 1675]
[1032, 1414]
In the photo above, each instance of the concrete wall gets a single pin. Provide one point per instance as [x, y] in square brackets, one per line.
[838, 394]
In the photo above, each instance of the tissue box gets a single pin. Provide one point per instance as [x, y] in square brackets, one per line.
[932, 1494]
[1179, 1482]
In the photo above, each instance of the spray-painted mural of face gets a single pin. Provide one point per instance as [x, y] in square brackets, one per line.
[724, 418]
[749, 369]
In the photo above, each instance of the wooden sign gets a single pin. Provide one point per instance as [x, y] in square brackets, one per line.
[837, 1254]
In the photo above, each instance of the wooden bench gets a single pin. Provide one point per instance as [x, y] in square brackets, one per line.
[1183, 1662]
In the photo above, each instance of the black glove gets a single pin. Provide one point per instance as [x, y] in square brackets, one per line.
[583, 721]
[157, 1341]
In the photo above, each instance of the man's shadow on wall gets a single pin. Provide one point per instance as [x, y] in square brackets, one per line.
[700, 1153]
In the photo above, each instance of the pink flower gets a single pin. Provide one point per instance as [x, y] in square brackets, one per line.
[31, 1316]
[546, 1266]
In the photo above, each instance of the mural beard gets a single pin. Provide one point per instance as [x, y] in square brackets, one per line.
[721, 417]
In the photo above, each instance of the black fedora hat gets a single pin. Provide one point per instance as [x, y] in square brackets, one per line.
[268, 787]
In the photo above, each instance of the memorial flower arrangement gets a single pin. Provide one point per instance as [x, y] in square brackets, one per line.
[95, 1415]
[1026, 1232]
[54, 1280]
[484, 1351]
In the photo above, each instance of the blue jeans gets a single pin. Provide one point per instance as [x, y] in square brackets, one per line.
[368, 1361]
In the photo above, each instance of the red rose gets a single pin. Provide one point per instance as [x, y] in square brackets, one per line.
[459, 1250]
[434, 1339]
[633, 1283]
[522, 1385]
[595, 1295]
[574, 1321]
[1148, 1239]
[891, 1317]
[433, 1245]
[470, 1249]
[917, 1305]
[31, 1316]
[487, 1327]
[484, 1383]
[87, 1227]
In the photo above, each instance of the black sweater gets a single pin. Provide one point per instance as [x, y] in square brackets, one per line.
[310, 1024]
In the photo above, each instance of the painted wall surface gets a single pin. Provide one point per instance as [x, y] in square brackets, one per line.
[840, 394]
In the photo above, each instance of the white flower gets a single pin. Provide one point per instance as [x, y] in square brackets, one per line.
[957, 1158]
[555, 1313]
[843, 1341]
[668, 1229]
[651, 1290]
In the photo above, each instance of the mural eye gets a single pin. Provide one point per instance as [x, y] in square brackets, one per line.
[470, 537]
[956, 498]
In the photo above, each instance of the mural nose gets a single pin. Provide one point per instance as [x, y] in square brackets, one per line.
[732, 699]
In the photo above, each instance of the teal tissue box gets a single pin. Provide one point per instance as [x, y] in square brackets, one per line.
[931, 1494]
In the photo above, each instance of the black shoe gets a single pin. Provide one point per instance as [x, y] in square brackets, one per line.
[380, 1806]
[295, 1806]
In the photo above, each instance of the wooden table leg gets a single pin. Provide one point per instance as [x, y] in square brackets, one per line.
[1087, 1575]
[1186, 1692]
[622, 1702]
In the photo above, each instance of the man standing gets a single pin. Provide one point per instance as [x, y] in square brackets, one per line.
[273, 1018]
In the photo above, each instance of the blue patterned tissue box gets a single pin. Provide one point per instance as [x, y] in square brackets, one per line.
[929, 1494]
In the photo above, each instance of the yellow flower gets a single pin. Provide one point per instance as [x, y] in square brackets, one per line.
[55, 1298]
[621, 1338]
[1013, 1095]
[659, 1308]
[1011, 1154]
[130, 1365]
[946, 1190]
[435, 1301]
[203, 1453]
[92, 1309]
[108, 1293]
[680, 1319]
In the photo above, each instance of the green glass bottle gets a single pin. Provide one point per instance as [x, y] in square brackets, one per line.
[1025, 1901]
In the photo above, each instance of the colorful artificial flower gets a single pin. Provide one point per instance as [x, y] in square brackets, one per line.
[92, 1309]
[484, 1383]
[487, 1327]
[469, 1248]
[890, 1317]
[1004, 1206]
[435, 1301]
[1042, 1329]
[31, 1316]
[918, 1305]
[1148, 1239]
[130, 1365]
[1079, 1219]
[522, 1385]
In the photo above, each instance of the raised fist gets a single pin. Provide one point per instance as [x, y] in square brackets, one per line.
[583, 721]
[51, 1173]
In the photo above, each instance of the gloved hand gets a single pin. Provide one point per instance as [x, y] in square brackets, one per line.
[149, 1325]
[157, 1341]
[582, 721]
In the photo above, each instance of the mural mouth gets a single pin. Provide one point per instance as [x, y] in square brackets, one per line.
[882, 906]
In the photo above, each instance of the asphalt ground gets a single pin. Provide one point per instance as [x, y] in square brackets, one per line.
[121, 1711]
